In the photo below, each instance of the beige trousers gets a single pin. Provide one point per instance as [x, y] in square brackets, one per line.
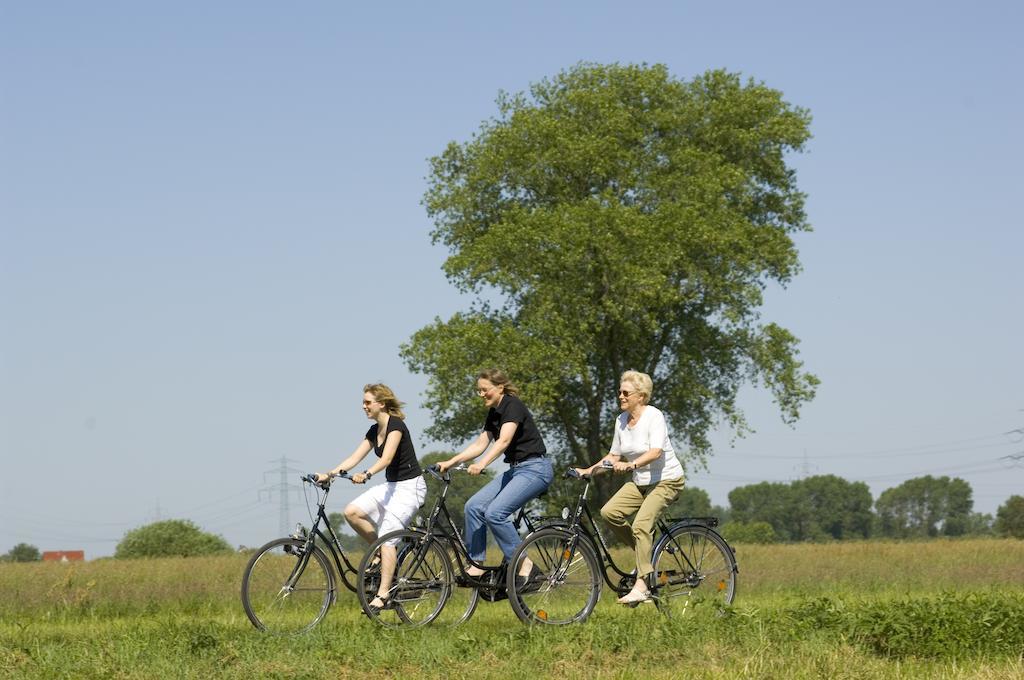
[647, 502]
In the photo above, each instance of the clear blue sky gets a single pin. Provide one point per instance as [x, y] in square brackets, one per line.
[211, 237]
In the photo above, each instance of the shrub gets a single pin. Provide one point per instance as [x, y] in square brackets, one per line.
[23, 552]
[748, 532]
[170, 538]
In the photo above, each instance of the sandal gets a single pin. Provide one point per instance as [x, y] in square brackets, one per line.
[634, 597]
[531, 583]
[375, 610]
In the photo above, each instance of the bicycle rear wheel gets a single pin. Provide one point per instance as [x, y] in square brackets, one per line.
[287, 588]
[421, 584]
[693, 566]
[565, 583]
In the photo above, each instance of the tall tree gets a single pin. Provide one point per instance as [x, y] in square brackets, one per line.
[926, 506]
[1010, 517]
[616, 217]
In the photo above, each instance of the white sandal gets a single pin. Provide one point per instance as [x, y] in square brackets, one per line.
[635, 597]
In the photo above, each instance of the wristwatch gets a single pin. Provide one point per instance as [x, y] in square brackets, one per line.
[368, 474]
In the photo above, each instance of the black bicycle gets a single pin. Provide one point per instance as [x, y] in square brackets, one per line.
[692, 563]
[430, 574]
[289, 583]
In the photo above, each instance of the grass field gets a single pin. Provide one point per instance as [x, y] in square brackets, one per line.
[847, 610]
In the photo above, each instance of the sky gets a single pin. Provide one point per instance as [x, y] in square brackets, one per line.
[212, 236]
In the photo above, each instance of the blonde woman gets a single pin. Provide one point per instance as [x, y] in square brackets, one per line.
[640, 446]
[386, 507]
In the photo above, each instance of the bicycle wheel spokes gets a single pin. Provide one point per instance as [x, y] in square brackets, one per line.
[565, 583]
[462, 601]
[694, 565]
[286, 591]
[420, 585]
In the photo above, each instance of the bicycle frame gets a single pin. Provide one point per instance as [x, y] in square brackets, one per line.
[440, 525]
[581, 523]
[330, 539]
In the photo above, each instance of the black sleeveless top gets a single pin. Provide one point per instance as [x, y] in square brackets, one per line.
[404, 465]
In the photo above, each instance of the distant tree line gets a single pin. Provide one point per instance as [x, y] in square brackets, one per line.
[827, 507]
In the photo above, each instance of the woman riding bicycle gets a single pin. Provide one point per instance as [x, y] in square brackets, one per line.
[391, 506]
[510, 430]
[641, 446]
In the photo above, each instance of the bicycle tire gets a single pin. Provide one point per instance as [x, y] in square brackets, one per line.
[421, 584]
[567, 585]
[693, 565]
[287, 588]
[463, 600]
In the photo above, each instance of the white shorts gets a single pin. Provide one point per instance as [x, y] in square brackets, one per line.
[391, 506]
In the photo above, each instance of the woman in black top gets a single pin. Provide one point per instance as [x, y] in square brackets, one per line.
[510, 430]
[391, 506]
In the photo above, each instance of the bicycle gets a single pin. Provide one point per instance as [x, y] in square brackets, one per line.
[289, 585]
[692, 562]
[431, 569]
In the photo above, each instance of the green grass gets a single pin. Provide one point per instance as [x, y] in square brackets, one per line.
[850, 610]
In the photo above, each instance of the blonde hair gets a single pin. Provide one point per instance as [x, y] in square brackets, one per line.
[497, 377]
[641, 381]
[384, 395]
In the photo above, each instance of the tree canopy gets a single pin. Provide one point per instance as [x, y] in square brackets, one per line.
[815, 508]
[169, 538]
[616, 217]
[1010, 517]
[23, 552]
[926, 506]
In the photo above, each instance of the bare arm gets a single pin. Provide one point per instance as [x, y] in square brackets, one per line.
[386, 456]
[643, 459]
[350, 462]
[475, 448]
[505, 434]
[612, 458]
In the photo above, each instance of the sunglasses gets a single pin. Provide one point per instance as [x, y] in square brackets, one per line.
[624, 393]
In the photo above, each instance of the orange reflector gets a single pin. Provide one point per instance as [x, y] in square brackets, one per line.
[721, 586]
[542, 615]
[663, 578]
[566, 554]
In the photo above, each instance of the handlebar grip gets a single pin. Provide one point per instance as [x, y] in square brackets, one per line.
[435, 472]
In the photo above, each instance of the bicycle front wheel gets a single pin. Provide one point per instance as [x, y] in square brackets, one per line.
[287, 588]
[564, 584]
[420, 586]
[693, 565]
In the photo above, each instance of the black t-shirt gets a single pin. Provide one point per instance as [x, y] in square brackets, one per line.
[527, 440]
[404, 465]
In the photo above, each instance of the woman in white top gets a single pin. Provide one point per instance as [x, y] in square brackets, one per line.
[640, 446]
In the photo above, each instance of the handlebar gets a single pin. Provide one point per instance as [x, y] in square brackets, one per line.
[313, 478]
[572, 474]
[435, 471]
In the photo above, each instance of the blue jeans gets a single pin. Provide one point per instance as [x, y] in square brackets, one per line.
[493, 506]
